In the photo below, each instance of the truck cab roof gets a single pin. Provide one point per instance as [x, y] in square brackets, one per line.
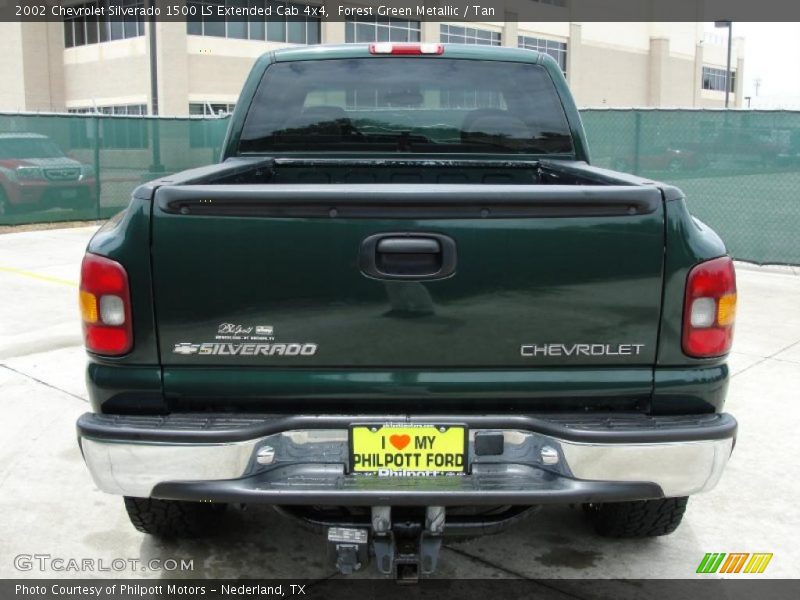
[461, 51]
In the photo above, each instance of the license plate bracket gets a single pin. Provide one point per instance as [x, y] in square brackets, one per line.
[402, 449]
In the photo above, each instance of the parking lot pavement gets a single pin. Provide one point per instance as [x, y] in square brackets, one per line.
[50, 505]
[38, 275]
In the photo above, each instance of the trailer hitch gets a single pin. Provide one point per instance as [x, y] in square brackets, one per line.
[405, 550]
[409, 549]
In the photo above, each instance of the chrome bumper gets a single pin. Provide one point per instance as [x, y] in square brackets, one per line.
[543, 460]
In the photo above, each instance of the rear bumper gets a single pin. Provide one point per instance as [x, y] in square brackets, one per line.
[214, 458]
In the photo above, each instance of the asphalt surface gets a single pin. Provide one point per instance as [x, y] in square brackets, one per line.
[50, 506]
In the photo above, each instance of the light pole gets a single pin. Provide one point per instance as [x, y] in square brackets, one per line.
[156, 167]
[729, 25]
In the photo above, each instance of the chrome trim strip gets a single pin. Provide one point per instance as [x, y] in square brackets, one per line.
[135, 468]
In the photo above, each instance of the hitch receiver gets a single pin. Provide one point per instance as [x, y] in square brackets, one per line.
[407, 551]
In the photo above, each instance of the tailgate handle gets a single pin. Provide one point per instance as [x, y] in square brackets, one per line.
[409, 246]
[408, 256]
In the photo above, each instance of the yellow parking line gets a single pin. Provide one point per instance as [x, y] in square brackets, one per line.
[32, 275]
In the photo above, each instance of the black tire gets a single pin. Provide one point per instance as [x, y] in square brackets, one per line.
[172, 518]
[641, 518]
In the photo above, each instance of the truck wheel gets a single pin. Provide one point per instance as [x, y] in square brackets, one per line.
[172, 518]
[642, 518]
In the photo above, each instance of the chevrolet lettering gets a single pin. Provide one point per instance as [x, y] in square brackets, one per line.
[534, 350]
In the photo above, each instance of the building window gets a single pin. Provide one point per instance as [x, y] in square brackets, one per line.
[370, 29]
[128, 133]
[137, 110]
[714, 79]
[472, 99]
[558, 50]
[81, 31]
[274, 28]
[455, 34]
[208, 133]
[211, 109]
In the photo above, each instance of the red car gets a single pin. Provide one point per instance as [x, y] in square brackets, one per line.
[35, 173]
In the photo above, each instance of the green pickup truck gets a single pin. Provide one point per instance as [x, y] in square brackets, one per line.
[405, 306]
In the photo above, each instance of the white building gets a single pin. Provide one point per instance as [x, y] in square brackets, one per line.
[180, 68]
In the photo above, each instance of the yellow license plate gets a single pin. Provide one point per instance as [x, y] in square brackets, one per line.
[422, 450]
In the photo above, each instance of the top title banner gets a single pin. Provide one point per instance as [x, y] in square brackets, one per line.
[418, 10]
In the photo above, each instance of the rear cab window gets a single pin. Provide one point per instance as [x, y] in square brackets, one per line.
[406, 105]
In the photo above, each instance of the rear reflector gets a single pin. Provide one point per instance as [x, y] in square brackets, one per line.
[105, 306]
[405, 49]
[709, 309]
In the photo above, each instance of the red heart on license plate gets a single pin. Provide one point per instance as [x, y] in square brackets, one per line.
[400, 441]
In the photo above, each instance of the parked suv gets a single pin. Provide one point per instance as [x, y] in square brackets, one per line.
[35, 173]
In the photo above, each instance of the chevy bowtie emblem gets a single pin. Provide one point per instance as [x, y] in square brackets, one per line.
[185, 348]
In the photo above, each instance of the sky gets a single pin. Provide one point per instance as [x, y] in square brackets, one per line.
[772, 55]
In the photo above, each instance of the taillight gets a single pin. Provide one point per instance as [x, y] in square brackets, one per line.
[405, 49]
[105, 306]
[710, 308]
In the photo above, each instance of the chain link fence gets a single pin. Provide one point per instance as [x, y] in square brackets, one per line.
[740, 170]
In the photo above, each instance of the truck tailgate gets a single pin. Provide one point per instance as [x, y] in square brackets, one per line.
[321, 276]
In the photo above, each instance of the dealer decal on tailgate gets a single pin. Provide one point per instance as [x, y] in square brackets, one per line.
[408, 450]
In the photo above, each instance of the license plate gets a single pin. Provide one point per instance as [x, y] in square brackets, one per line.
[69, 194]
[388, 450]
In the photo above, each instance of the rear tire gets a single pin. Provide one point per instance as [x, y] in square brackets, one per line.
[172, 518]
[641, 518]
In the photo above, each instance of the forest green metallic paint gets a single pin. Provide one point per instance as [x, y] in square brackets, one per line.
[690, 389]
[518, 281]
[407, 389]
[125, 389]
